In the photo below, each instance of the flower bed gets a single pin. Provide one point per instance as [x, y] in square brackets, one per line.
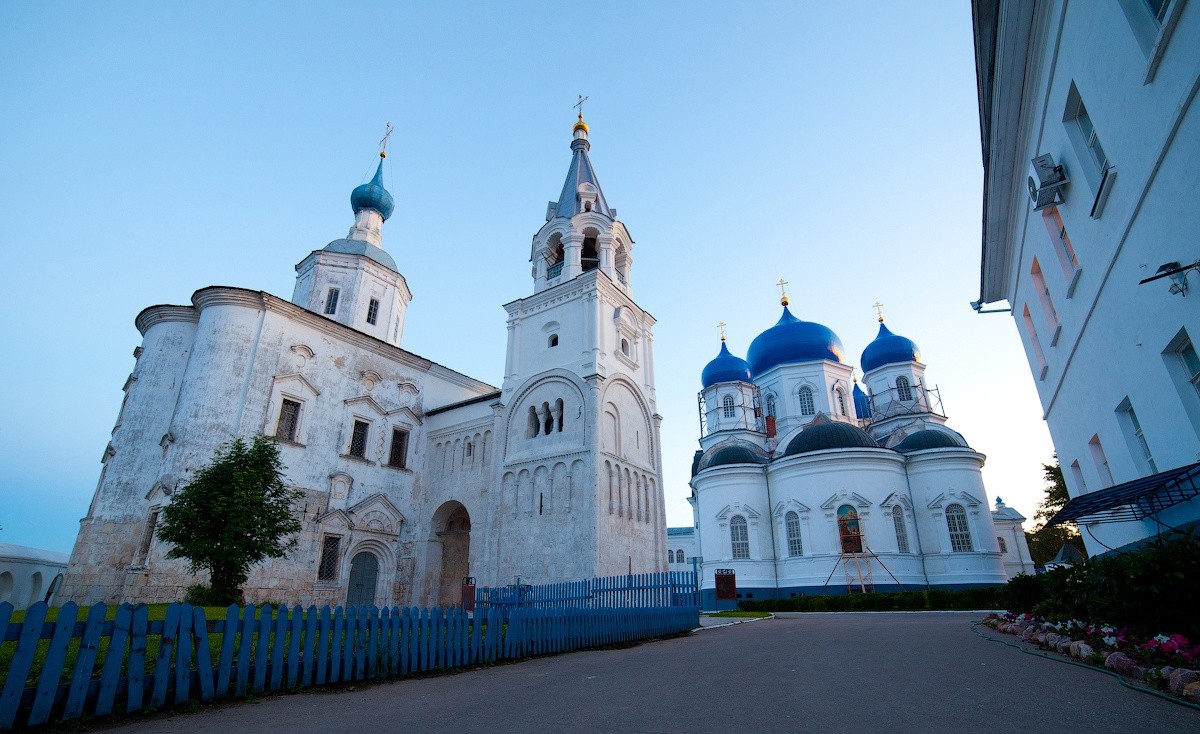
[1167, 662]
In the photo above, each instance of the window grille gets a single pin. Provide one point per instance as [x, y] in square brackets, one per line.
[960, 533]
[372, 311]
[331, 300]
[903, 389]
[795, 544]
[739, 537]
[841, 400]
[727, 403]
[806, 401]
[289, 419]
[1003, 545]
[771, 405]
[358, 439]
[901, 529]
[328, 568]
[398, 456]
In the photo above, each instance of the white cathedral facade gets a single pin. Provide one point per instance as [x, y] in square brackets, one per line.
[807, 484]
[414, 475]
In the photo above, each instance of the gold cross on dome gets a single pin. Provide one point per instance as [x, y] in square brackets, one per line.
[783, 296]
[579, 105]
[879, 310]
[722, 326]
[384, 141]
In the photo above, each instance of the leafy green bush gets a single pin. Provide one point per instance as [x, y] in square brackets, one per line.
[931, 599]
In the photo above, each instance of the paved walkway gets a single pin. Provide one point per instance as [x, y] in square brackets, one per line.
[834, 673]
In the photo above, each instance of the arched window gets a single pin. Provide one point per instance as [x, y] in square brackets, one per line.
[841, 400]
[795, 545]
[727, 404]
[1003, 545]
[679, 556]
[771, 405]
[849, 530]
[533, 423]
[558, 414]
[901, 530]
[806, 401]
[625, 346]
[903, 389]
[552, 341]
[960, 533]
[739, 537]
[547, 419]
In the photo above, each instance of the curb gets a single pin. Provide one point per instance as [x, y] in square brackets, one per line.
[730, 624]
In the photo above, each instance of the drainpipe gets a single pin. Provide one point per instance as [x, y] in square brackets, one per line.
[916, 525]
[771, 521]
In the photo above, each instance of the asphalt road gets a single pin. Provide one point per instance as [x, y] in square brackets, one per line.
[895, 673]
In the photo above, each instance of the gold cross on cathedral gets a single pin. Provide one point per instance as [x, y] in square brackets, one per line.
[722, 326]
[384, 141]
[879, 310]
[783, 296]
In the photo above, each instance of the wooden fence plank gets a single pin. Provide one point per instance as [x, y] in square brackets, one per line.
[293, 661]
[135, 671]
[310, 641]
[22, 661]
[279, 647]
[204, 668]
[84, 662]
[52, 666]
[225, 662]
[373, 643]
[111, 673]
[245, 650]
[162, 664]
[335, 652]
[183, 655]
[348, 644]
[262, 648]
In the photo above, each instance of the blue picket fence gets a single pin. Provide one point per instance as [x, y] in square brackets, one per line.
[150, 664]
[637, 590]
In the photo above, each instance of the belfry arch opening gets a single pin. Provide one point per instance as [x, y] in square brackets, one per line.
[451, 535]
[590, 257]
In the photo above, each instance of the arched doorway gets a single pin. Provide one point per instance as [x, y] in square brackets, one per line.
[364, 572]
[452, 530]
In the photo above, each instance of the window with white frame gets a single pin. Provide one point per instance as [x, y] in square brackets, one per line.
[1077, 474]
[903, 389]
[960, 532]
[727, 405]
[1035, 345]
[840, 396]
[1060, 240]
[739, 537]
[771, 405]
[398, 456]
[807, 406]
[331, 301]
[1082, 133]
[1043, 293]
[1134, 436]
[901, 529]
[289, 420]
[1100, 459]
[372, 310]
[795, 542]
[358, 439]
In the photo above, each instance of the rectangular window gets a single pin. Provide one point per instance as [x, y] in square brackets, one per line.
[1061, 242]
[331, 300]
[1035, 345]
[358, 439]
[148, 536]
[1100, 459]
[289, 419]
[1077, 474]
[327, 570]
[1191, 365]
[1135, 438]
[398, 457]
[1152, 23]
[1183, 365]
[372, 311]
[1043, 294]
[1083, 135]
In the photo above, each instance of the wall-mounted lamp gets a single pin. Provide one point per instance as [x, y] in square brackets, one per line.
[1177, 273]
[977, 307]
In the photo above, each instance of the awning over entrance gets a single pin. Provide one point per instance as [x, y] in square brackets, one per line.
[1133, 500]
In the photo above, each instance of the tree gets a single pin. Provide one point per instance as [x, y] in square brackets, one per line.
[235, 513]
[1045, 542]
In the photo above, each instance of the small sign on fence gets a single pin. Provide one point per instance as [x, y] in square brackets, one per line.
[726, 583]
[468, 594]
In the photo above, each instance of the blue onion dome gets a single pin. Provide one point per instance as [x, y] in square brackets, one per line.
[725, 368]
[793, 340]
[930, 439]
[862, 403]
[737, 453]
[888, 348]
[832, 435]
[372, 195]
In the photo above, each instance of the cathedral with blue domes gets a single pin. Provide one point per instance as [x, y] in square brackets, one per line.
[807, 482]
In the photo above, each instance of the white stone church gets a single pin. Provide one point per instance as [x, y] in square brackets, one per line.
[414, 475]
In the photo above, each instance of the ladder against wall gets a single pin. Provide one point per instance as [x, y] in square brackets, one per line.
[860, 574]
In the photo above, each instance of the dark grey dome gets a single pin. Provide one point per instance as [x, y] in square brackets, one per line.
[930, 439]
[735, 454]
[358, 247]
[830, 436]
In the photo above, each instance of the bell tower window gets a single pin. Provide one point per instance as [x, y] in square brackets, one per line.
[373, 311]
[331, 300]
[591, 256]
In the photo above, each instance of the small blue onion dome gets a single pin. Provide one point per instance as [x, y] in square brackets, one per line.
[862, 403]
[725, 368]
[833, 435]
[792, 340]
[930, 439]
[372, 195]
[888, 348]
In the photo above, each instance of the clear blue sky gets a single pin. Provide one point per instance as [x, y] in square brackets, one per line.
[151, 149]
